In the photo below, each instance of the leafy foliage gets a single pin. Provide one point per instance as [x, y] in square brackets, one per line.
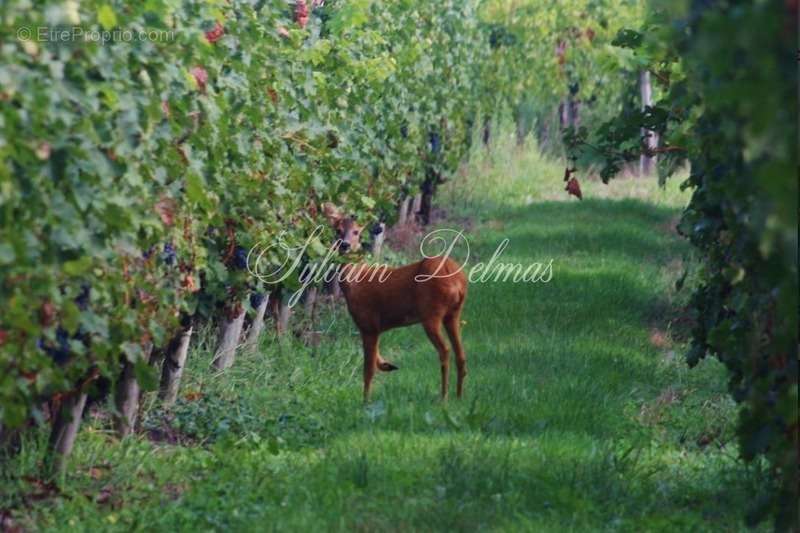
[144, 168]
[205, 419]
[712, 59]
[591, 430]
[547, 53]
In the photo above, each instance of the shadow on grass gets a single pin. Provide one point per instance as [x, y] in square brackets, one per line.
[564, 355]
[379, 481]
[547, 438]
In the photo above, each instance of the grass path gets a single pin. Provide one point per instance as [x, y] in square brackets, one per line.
[579, 412]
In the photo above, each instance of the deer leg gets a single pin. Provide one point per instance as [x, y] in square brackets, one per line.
[385, 366]
[370, 341]
[453, 326]
[433, 329]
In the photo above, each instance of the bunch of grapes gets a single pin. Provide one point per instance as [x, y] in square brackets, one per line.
[301, 13]
[60, 352]
[436, 142]
[215, 34]
[168, 255]
[256, 299]
[240, 258]
[83, 298]
[376, 229]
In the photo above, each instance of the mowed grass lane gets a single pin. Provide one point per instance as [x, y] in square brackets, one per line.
[579, 414]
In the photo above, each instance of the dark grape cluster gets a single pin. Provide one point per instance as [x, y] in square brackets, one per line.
[256, 299]
[499, 36]
[436, 142]
[168, 255]
[376, 229]
[404, 131]
[83, 298]
[240, 258]
[60, 351]
[574, 88]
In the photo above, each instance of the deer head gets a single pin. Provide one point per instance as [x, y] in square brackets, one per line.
[348, 230]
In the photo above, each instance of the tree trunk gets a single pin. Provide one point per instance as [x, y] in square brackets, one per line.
[230, 333]
[565, 114]
[310, 304]
[542, 134]
[377, 244]
[416, 205]
[647, 162]
[126, 399]
[284, 313]
[174, 361]
[258, 325]
[311, 335]
[426, 199]
[65, 428]
[569, 113]
[402, 216]
[575, 113]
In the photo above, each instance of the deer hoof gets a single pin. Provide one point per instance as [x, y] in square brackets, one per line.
[386, 366]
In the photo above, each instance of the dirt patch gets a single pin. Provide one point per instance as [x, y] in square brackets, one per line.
[441, 217]
[406, 239]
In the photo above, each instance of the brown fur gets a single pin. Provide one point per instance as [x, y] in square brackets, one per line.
[380, 298]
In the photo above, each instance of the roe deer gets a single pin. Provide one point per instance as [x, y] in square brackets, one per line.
[379, 298]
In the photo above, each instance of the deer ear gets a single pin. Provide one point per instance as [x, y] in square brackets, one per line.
[332, 213]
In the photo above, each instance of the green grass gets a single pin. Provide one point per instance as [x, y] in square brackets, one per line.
[579, 413]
